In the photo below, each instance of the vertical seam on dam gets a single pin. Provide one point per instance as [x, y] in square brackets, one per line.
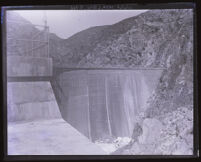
[88, 115]
[108, 115]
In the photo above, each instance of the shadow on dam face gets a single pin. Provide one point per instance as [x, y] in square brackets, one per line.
[104, 103]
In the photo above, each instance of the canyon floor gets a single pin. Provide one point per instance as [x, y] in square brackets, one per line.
[48, 137]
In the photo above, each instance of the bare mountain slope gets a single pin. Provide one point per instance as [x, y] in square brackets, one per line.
[143, 40]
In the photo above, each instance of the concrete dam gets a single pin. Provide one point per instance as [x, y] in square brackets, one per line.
[64, 112]
[98, 103]
[86, 104]
[103, 103]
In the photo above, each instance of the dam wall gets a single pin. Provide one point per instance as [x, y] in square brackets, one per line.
[26, 66]
[104, 103]
[28, 101]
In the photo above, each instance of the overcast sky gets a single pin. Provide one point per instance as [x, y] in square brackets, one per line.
[65, 23]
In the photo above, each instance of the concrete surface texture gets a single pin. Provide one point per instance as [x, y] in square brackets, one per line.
[48, 137]
[104, 103]
[31, 101]
[20, 66]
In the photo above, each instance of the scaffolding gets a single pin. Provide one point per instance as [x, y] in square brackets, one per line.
[27, 48]
[25, 39]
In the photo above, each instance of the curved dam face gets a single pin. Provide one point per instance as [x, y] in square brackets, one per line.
[104, 103]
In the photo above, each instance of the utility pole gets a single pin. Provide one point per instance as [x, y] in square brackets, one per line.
[46, 30]
[45, 18]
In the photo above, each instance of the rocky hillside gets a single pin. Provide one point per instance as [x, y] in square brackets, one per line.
[175, 88]
[143, 40]
[172, 134]
[157, 38]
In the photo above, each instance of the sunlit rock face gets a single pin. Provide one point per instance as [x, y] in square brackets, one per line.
[170, 134]
[104, 103]
[151, 130]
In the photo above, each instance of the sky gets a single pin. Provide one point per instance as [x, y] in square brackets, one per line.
[65, 23]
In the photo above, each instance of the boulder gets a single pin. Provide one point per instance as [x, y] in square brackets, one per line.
[151, 129]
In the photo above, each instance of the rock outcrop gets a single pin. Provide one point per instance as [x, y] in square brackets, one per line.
[171, 134]
[151, 128]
